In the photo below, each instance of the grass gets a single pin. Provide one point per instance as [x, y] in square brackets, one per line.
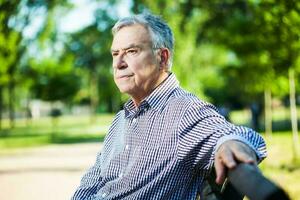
[279, 166]
[67, 129]
[280, 119]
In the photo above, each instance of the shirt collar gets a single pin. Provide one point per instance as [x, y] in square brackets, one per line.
[156, 99]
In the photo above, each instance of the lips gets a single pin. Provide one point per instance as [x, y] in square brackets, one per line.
[124, 76]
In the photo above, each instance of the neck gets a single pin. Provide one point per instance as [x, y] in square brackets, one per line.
[137, 99]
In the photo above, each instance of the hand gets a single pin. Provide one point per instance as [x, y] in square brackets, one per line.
[229, 154]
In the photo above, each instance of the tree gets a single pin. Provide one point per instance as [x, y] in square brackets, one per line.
[55, 80]
[91, 47]
[281, 24]
[262, 35]
[217, 58]
[15, 16]
[9, 51]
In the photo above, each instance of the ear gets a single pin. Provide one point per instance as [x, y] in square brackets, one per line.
[164, 58]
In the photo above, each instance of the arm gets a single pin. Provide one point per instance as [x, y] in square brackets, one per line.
[203, 130]
[89, 182]
[239, 147]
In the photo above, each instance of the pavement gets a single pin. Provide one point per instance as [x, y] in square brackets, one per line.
[45, 173]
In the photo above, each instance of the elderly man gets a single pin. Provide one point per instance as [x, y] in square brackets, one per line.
[165, 140]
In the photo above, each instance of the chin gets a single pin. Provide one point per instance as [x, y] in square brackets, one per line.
[124, 90]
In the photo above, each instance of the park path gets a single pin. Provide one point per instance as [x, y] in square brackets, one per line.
[45, 173]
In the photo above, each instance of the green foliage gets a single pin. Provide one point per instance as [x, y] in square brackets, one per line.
[9, 39]
[58, 87]
[55, 80]
[227, 52]
[91, 47]
[15, 17]
[261, 36]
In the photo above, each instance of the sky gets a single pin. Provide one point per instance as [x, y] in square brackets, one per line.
[77, 18]
[80, 16]
[83, 14]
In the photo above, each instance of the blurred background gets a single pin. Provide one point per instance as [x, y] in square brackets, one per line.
[58, 98]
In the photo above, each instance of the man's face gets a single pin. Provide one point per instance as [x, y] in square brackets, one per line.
[136, 65]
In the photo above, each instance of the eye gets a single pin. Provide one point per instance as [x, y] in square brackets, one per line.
[131, 51]
[114, 53]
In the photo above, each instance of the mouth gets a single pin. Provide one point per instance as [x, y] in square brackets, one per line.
[124, 76]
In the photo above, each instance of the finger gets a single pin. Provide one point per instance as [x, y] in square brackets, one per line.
[224, 159]
[227, 158]
[220, 171]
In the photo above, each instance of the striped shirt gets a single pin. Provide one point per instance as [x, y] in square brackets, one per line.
[162, 149]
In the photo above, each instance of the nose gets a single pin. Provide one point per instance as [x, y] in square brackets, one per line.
[119, 62]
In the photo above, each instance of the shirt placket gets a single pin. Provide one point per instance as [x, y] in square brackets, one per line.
[129, 144]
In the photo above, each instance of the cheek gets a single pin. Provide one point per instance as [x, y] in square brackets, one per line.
[134, 64]
[142, 66]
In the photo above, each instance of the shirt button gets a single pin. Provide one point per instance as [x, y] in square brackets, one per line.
[120, 175]
[127, 147]
[134, 120]
[104, 195]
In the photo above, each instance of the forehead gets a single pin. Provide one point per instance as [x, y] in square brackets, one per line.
[133, 34]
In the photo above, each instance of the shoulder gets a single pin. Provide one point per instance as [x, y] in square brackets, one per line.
[191, 108]
[189, 100]
[115, 124]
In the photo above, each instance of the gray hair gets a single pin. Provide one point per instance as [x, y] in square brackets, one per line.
[161, 33]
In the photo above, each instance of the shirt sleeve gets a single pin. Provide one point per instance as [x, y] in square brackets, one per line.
[89, 183]
[202, 130]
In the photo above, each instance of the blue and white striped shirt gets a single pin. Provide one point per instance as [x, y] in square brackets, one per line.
[161, 150]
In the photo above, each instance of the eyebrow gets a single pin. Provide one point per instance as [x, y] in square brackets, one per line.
[128, 47]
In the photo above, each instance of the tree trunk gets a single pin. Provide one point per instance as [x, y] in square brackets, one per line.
[1, 105]
[94, 95]
[255, 109]
[55, 114]
[28, 111]
[11, 98]
[293, 110]
[268, 112]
